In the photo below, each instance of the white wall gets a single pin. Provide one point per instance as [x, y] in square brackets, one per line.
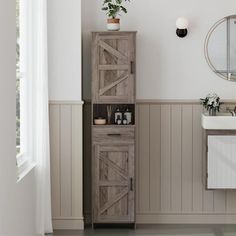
[167, 67]
[64, 44]
[17, 201]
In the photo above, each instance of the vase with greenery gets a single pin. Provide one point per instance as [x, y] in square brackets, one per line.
[211, 103]
[113, 8]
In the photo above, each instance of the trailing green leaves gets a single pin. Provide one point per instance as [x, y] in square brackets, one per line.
[123, 9]
[114, 7]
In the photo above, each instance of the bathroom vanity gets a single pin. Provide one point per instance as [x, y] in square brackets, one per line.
[220, 143]
[220, 130]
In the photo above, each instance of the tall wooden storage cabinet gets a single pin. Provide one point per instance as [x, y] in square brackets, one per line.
[113, 145]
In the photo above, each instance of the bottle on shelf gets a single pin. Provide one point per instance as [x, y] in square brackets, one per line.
[118, 113]
[118, 120]
[125, 121]
[128, 115]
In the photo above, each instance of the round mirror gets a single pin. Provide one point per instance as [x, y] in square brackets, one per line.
[220, 48]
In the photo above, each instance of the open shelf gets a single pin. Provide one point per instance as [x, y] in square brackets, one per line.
[100, 111]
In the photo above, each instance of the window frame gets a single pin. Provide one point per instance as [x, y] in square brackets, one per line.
[24, 160]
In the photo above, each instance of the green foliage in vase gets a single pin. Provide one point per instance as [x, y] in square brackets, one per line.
[211, 102]
[114, 7]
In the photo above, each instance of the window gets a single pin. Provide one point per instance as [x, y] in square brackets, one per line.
[17, 79]
[23, 87]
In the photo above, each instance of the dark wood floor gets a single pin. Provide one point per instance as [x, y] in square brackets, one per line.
[163, 230]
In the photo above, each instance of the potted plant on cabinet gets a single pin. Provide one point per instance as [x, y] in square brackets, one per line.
[211, 103]
[114, 8]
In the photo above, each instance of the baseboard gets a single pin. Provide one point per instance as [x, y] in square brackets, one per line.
[64, 102]
[185, 219]
[68, 223]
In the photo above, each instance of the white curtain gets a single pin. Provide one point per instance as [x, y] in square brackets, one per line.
[41, 116]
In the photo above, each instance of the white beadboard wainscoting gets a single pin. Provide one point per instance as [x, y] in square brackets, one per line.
[66, 164]
[170, 166]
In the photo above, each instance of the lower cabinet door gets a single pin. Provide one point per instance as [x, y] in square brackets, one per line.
[113, 190]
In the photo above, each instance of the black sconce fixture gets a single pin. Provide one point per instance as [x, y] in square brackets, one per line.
[182, 25]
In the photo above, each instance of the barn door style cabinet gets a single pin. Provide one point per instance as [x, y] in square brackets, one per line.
[113, 143]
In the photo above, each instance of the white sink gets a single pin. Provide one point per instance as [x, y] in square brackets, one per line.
[222, 121]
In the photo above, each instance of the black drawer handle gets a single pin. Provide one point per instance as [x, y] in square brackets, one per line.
[114, 135]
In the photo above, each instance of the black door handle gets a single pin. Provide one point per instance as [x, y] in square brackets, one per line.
[131, 187]
[132, 67]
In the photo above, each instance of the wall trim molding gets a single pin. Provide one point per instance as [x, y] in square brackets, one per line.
[186, 219]
[65, 102]
[68, 218]
[68, 223]
[171, 101]
[177, 101]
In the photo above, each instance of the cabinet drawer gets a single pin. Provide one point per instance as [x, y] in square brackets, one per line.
[113, 134]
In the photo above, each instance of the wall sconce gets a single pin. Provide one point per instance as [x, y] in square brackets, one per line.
[182, 25]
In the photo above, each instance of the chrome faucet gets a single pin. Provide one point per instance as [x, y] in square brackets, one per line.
[233, 112]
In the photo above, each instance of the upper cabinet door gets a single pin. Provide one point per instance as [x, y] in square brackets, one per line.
[113, 67]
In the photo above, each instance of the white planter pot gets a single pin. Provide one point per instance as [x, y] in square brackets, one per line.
[113, 24]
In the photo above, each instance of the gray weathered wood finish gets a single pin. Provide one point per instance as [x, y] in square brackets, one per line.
[113, 67]
[113, 135]
[87, 160]
[113, 168]
[113, 147]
